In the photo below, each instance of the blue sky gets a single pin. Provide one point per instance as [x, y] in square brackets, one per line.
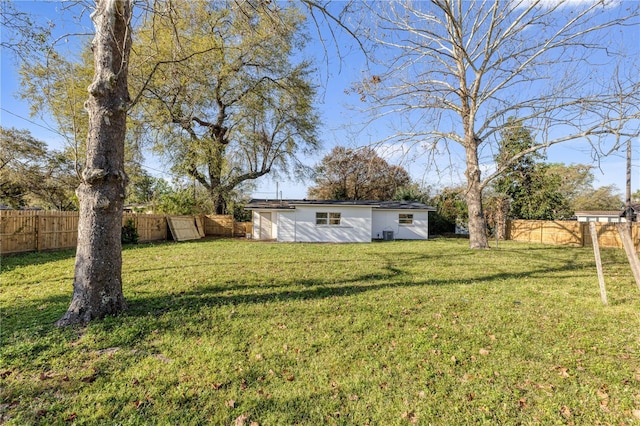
[343, 124]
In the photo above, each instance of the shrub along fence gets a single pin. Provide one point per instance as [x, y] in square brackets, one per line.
[568, 233]
[38, 230]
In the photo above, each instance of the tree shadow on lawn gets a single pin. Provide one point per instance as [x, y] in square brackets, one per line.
[308, 289]
[238, 292]
[17, 260]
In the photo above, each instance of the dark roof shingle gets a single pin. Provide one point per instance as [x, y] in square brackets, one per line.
[382, 205]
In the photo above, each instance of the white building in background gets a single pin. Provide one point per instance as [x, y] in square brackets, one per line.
[611, 216]
[338, 221]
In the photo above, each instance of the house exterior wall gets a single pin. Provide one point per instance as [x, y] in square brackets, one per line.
[287, 226]
[264, 224]
[596, 218]
[388, 220]
[355, 224]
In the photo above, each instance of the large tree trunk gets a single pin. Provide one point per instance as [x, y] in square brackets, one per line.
[97, 285]
[219, 203]
[477, 224]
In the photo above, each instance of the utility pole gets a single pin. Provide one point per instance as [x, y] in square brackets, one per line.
[628, 211]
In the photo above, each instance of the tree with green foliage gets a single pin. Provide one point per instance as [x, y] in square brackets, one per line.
[184, 199]
[534, 192]
[577, 188]
[356, 174]
[31, 175]
[20, 163]
[603, 198]
[56, 84]
[97, 287]
[413, 192]
[146, 189]
[451, 210]
[222, 94]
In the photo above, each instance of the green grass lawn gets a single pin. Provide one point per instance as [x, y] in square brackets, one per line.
[239, 332]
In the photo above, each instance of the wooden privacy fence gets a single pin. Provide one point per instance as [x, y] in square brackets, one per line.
[223, 225]
[568, 233]
[37, 230]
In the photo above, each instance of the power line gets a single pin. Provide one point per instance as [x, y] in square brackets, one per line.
[32, 122]
[144, 166]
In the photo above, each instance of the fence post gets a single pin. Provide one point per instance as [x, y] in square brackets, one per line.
[36, 230]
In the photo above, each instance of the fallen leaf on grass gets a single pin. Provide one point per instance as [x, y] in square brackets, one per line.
[411, 416]
[522, 402]
[46, 375]
[72, 417]
[89, 379]
[636, 414]
[5, 374]
[230, 403]
[41, 413]
[353, 397]
[241, 419]
[483, 351]
[565, 411]
[602, 394]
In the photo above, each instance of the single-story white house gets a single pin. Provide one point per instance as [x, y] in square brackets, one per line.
[599, 216]
[610, 216]
[338, 221]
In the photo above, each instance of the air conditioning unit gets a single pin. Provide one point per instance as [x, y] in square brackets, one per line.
[387, 235]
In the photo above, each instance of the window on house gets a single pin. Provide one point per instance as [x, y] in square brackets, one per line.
[323, 218]
[406, 218]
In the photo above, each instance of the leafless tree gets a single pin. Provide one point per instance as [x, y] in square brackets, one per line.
[456, 70]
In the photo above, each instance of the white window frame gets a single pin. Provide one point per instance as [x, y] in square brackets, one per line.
[405, 219]
[328, 218]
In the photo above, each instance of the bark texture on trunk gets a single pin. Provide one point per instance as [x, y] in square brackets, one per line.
[477, 224]
[97, 285]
